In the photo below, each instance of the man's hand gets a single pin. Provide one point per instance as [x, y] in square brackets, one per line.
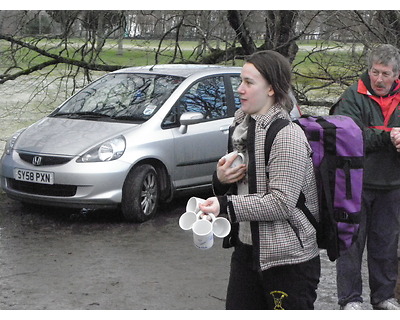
[395, 137]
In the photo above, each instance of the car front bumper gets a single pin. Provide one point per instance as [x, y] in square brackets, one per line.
[79, 185]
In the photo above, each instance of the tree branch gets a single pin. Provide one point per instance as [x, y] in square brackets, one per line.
[8, 77]
[55, 59]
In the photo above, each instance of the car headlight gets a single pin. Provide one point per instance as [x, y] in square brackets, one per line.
[109, 150]
[11, 142]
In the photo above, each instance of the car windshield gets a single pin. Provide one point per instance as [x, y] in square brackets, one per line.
[121, 96]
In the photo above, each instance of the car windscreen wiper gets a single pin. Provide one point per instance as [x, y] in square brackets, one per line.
[129, 118]
[79, 115]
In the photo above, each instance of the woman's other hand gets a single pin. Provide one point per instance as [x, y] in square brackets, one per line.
[228, 175]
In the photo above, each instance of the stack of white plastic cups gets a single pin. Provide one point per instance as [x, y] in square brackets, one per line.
[204, 226]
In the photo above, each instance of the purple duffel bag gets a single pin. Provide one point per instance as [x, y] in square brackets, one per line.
[338, 158]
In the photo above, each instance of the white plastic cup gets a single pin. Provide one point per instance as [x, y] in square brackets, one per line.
[193, 204]
[187, 220]
[203, 236]
[238, 161]
[221, 227]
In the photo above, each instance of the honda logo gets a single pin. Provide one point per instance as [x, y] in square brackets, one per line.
[37, 161]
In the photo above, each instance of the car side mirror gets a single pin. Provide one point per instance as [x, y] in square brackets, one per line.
[189, 118]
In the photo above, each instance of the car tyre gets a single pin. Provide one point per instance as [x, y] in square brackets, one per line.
[140, 194]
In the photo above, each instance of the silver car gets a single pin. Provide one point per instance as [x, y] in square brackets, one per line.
[132, 139]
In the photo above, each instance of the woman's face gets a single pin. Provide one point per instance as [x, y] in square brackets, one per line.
[256, 94]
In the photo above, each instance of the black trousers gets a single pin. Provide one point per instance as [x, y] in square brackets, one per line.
[288, 287]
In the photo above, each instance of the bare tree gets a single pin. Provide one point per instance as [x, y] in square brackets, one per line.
[338, 62]
[280, 32]
[42, 41]
[239, 23]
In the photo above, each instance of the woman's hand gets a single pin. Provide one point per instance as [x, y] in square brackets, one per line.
[211, 205]
[228, 175]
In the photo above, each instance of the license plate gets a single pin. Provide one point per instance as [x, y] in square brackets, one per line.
[34, 176]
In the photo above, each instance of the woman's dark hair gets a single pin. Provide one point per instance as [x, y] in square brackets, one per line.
[276, 69]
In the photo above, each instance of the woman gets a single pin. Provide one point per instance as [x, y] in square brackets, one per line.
[275, 264]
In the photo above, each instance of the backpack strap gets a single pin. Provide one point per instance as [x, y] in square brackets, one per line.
[301, 204]
[273, 130]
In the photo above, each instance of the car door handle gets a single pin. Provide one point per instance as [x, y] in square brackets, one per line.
[224, 129]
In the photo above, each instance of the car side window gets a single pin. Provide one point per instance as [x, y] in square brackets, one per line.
[236, 81]
[207, 96]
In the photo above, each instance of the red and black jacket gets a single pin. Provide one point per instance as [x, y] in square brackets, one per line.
[377, 115]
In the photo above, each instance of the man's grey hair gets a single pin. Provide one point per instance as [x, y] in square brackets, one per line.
[385, 54]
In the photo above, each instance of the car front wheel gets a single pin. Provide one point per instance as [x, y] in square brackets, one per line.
[140, 194]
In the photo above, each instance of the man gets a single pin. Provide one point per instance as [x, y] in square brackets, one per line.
[374, 103]
[397, 291]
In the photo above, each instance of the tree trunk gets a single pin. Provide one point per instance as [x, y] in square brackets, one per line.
[280, 30]
[239, 24]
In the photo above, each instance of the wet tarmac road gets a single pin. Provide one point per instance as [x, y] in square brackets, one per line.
[53, 259]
